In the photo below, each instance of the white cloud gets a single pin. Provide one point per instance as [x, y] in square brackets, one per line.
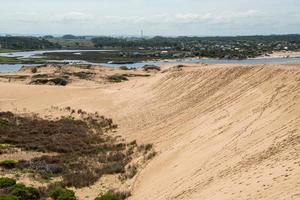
[72, 17]
[181, 18]
[164, 18]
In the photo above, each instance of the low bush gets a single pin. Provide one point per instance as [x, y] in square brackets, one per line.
[25, 193]
[81, 74]
[62, 194]
[52, 81]
[8, 197]
[7, 182]
[8, 164]
[124, 68]
[117, 195]
[40, 76]
[151, 67]
[85, 150]
[117, 78]
[34, 70]
[107, 196]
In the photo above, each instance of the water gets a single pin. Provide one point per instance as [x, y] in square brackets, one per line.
[30, 54]
[15, 67]
[5, 68]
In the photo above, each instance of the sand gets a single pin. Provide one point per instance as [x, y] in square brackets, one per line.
[221, 131]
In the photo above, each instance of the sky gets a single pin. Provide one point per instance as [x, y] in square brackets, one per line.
[154, 17]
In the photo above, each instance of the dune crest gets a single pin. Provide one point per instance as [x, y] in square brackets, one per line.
[224, 133]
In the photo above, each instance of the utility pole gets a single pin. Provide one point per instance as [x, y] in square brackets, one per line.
[142, 34]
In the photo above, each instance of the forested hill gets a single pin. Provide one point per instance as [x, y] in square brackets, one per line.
[26, 43]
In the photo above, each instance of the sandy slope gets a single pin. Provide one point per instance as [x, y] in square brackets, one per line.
[222, 132]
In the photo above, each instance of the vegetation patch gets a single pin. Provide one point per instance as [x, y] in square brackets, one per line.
[117, 78]
[8, 164]
[51, 81]
[82, 74]
[124, 68]
[137, 75]
[7, 182]
[60, 193]
[11, 190]
[151, 68]
[114, 195]
[34, 70]
[84, 149]
[107, 196]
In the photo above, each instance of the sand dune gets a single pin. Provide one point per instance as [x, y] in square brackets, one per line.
[222, 131]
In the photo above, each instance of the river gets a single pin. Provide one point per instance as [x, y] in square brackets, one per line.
[29, 54]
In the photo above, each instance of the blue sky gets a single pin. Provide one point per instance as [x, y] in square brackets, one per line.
[155, 17]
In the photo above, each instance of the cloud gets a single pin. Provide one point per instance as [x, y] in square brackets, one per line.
[72, 17]
[164, 18]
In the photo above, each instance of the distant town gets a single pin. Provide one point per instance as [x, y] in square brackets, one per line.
[132, 49]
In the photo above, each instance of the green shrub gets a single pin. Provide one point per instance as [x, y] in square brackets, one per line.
[7, 182]
[117, 78]
[59, 81]
[8, 164]
[62, 194]
[107, 196]
[124, 68]
[34, 70]
[25, 193]
[9, 197]
[54, 81]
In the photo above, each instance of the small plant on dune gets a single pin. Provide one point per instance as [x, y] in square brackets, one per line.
[114, 195]
[60, 193]
[124, 68]
[8, 197]
[117, 78]
[24, 193]
[8, 164]
[34, 70]
[52, 81]
[107, 196]
[10, 190]
[7, 182]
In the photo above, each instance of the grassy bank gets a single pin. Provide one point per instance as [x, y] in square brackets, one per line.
[116, 56]
[7, 50]
[7, 60]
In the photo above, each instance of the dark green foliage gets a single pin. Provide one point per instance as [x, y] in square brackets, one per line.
[8, 197]
[107, 196]
[7, 182]
[114, 195]
[51, 81]
[62, 194]
[117, 78]
[151, 67]
[24, 193]
[124, 68]
[239, 47]
[34, 70]
[85, 152]
[82, 74]
[8, 164]
[159, 41]
[26, 43]
[10, 190]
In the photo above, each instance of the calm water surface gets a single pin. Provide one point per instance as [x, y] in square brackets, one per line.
[29, 54]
